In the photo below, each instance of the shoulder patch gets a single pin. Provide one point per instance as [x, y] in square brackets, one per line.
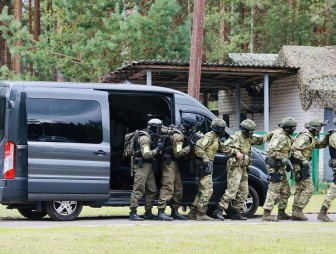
[146, 148]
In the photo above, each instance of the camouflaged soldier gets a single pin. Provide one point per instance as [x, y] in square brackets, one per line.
[175, 148]
[205, 151]
[238, 148]
[278, 163]
[331, 195]
[301, 150]
[144, 180]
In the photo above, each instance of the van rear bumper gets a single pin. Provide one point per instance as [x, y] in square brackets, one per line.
[14, 191]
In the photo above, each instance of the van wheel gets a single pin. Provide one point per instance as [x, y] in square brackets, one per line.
[250, 206]
[64, 210]
[32, 214]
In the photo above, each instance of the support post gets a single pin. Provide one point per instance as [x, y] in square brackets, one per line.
[149, 78]
[266, 103]
[237, 106]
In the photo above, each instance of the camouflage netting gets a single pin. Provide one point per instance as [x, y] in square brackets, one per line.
[317, 73]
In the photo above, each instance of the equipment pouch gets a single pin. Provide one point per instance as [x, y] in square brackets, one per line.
[167, 159]
[334, 178]
[304, 172]
[275, 177]
[138, 161]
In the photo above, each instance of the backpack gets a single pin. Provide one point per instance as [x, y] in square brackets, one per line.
[131, 143]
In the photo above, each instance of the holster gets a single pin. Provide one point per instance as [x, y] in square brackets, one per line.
[275, 177]
[139, 161]
[273, 163]
[304, 172]
[205, 169]
[167, 159]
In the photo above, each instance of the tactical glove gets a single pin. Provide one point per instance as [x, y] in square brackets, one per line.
[284, 161]
[159, 146]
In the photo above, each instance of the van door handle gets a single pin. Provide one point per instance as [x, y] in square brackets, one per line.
[99, 152]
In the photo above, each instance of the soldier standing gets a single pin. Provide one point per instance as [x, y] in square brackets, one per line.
[205, 151]
[277, 164]
[238, 148]
[331, 195]
[175, 148]
[302, 149]
[144, 180]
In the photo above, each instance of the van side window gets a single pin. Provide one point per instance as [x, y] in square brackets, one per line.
[59, 120]
[206, 123]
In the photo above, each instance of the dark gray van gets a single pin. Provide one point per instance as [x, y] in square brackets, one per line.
[62, 146]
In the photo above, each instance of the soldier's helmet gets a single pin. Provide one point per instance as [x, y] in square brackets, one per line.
[314, 125]
[248, 125]
[218, 125]
[288, 122]
[154, 125]
[188, 122]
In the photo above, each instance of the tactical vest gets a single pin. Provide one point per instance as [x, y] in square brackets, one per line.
[309, 149]
[245, 144]
[168, 148]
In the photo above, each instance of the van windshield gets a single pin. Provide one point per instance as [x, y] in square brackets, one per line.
[3, 91]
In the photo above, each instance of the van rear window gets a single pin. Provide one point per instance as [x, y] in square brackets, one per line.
[58, 120]
[2, 117]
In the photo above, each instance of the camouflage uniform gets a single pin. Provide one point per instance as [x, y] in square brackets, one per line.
[171, 177]
[206, 149]
[279, 149]
[302, 149]
[144, 180]
[237, 176]
[331, 195]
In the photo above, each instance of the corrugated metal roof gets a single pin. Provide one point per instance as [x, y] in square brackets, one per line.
[214, 76]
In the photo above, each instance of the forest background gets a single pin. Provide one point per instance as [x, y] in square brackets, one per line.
[82, 40]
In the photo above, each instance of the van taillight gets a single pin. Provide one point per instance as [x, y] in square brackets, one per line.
[9, 160]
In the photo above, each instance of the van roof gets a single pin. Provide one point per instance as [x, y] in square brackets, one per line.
[98, 86]
[105, 86]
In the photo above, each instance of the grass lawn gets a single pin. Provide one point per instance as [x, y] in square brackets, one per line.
[282, 237]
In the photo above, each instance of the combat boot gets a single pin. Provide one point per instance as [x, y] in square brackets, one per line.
[192, 213]
[177, 216]
[149, 215]
[218, 213]
[203, 216]
[268, 217]
[236, 215]
[163, 216]
[134, 216]
[298, 215]
[282, 215]
[323, 215]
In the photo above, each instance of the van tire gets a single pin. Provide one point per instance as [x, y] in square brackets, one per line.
[64, 210]
[250, 206]
[32, 214]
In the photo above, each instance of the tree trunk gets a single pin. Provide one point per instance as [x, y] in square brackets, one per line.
[37, 25]
[18, 43]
